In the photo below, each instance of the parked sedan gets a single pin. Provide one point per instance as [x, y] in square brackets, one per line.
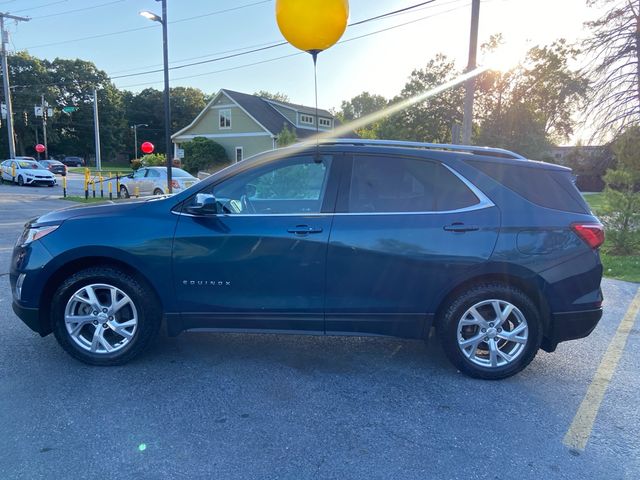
[54, 166]
[153, 181]
[73, 161]
[26, 172]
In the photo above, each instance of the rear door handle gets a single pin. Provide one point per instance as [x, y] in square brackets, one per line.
[304, 230]
[461, 227]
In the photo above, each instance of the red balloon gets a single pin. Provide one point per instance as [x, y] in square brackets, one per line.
[147, 147]
[40, 148]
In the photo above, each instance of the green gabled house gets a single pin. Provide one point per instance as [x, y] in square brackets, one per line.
[248, 124]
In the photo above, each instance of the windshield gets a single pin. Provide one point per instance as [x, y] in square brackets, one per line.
[28, 164]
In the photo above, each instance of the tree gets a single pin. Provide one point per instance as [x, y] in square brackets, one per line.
[276, 97]
[147, 107]
[360, 106]
[202, 153]
[621, 214]
[431, 119]
[286, 137]
[614, 68]
[532, 106]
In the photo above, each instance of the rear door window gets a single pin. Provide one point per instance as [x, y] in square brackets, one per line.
[381, 184]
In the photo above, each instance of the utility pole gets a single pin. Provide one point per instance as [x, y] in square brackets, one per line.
[135, 137]
[96, 125]
[470, 85]
[45, 107]
[5, 78]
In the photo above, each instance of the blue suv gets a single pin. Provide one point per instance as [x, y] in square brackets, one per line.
[498, 253]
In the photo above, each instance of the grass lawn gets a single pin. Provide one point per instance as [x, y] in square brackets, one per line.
[79, 199]
[621, 267]
[122, 170]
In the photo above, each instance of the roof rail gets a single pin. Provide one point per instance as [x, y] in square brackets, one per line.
[499, 152]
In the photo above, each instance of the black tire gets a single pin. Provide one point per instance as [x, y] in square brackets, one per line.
[157, 191]
[148, 312]
[20, 180]
[447, 328]
[124, 193]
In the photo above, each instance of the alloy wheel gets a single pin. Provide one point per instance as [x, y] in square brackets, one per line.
[101, 318]
[492, 333]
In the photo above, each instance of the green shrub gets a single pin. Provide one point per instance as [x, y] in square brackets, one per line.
[621, 212]
[154, 160]
[202, 154]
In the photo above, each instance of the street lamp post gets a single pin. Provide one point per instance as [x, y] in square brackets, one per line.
[167, 104]
[135, 137]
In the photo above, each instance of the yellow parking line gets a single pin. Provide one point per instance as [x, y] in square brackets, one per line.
[578, 434]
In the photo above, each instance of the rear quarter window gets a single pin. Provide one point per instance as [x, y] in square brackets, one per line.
[544, 187]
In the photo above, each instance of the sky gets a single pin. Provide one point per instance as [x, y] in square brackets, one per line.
[201, 30]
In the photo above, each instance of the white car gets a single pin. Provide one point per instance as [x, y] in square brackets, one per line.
[153, 181]
[25, 171]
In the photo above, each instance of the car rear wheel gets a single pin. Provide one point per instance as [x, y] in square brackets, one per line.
[157, 191]
[491, 331]
[124, 193]
[104, 316]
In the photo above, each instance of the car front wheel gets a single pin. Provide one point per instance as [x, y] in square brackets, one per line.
[491, 331]
[104, 316]
[124, 193]
[20, 180]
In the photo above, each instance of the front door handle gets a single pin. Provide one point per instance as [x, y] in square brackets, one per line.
[460, 227]
[304, 230]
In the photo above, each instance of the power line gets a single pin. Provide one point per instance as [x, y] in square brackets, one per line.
[265, 48]
[49, 15]
[40, 6]
[276, 43]
[120, 32]
[234, 55]
[301, 53]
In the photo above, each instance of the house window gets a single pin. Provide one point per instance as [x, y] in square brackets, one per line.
[325, 122]
[225, 118]
[306, 119]
[239, 154]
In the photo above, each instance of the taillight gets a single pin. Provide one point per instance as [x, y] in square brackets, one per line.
[591, 233]
[175, 184]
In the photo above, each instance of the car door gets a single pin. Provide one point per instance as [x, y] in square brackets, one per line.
[404, 228]
[4, 167]
[137, 181]
[259, 263]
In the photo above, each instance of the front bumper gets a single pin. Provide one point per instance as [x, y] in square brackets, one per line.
[570, 326]
[30, 316]
[39, 181]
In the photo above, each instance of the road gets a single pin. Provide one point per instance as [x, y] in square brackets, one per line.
[75, 187]
[231, 406]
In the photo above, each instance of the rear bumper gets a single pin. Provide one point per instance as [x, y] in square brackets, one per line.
[570, 326]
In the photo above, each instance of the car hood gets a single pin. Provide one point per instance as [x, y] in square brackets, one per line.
[59, 216]
[34, 171]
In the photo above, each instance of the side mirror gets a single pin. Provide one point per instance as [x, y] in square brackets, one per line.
[204, 204]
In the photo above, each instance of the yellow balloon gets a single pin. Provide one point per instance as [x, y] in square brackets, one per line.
[312, 25]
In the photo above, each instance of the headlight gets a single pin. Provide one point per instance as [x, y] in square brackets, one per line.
[32, 234]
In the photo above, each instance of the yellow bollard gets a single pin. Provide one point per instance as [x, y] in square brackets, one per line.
[101, 185]
[86, 187]
[137, 191]
[93, 187]
[118, 184]
[110, 187]
[64, 186]
[13, 170]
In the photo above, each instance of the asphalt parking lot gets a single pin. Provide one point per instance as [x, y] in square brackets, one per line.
[231, 406]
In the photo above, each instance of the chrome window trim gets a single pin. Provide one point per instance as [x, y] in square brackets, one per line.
[484, 202]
